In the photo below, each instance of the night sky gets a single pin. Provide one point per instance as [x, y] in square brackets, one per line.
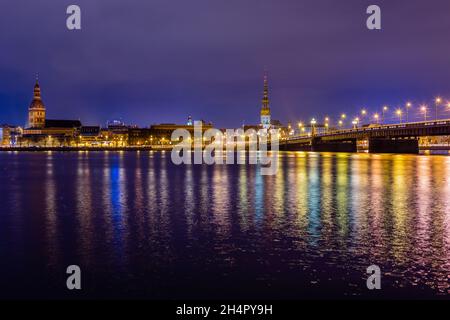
[161, 60]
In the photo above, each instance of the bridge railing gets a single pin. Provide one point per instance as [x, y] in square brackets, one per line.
[407, 125]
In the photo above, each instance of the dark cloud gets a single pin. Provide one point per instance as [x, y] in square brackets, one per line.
[161, 60]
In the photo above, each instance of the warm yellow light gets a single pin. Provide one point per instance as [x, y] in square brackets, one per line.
[327, 119]
[385, 108]
[423, 108]
[438, 100]
[408, 104]
[399, 112]
[340, 122]
[343, 116]
[376, 116]
[363, 112]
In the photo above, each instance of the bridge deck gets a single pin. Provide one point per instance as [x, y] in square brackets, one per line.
[403, 130]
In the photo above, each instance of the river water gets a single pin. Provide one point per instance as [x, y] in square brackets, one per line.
[141, 227]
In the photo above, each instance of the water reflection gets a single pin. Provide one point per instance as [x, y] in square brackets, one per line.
[137, 220]
[53, 246]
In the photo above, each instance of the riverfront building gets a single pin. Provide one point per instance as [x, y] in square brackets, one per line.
[41, 131]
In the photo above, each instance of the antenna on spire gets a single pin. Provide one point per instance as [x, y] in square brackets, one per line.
[37, 77]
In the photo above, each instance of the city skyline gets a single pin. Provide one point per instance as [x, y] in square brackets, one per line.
[231, 158]
[433, 109]
[319, 56]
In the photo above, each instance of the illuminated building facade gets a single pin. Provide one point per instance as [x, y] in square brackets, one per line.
[42, 132]
[162, 133]
[46, 132]
[9, 135]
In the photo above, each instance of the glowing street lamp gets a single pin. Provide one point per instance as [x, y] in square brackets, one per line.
[300, 127]
[424, 111]
[385, 108]
[407, 107]
[399, 113]
[355, 123]
[340, 123]
[313, 123]
[437, 101]
[343, 116]
[363, 114]
[327, 119]
[377, 118]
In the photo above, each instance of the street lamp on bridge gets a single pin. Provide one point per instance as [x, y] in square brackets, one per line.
[423, 108]
[407, 107]
[313, 123]
[377, 118]
[437, 101]
[399, 112]
[385, 108]
[363, 114]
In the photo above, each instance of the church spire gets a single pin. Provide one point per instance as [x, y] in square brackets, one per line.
[36, 110]
[265, 100]
[37, 90]
[265, 109]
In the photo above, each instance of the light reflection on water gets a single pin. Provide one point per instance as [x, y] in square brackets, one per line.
[141, 226]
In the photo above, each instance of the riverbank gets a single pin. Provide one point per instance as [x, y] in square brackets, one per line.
[424, 149]
[68, 149]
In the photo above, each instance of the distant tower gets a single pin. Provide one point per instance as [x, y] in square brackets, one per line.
[189, 122]
[265, 109]
[36, 111]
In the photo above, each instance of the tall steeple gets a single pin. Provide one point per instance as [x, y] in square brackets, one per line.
[265, 108]
[37, 90]
[265, 100]
[36, 111]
